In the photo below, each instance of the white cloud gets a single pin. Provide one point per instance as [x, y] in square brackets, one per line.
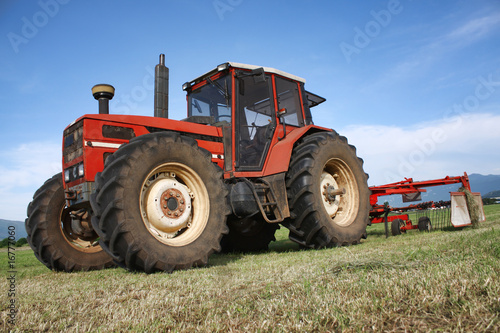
[23, 169]
[475, 29]
[429, 150]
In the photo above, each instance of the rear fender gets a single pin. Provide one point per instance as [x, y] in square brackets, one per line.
[280, 154]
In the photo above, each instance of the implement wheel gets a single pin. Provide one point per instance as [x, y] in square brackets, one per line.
[396, 227]
[51, 235]
[424, 224]
[327, 192]
[160, 204]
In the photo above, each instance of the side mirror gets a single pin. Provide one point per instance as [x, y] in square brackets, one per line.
[258, 75]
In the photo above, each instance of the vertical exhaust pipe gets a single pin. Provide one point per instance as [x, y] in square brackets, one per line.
[161, 89]
[103, 93]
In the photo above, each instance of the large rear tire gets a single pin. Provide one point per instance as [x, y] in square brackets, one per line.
[51, 235]
[160, 204]
[327, 192]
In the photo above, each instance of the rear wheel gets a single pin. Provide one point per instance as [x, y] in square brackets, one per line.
[59, 243]
[327, 192]
[424, 224]
[160, 204]
[396, 227]
[249, 234]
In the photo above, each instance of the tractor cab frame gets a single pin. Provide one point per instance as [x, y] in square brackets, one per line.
[257, 107]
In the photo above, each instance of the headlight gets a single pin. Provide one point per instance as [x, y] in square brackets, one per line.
[73, 173]
[223, 67]
[80, 170]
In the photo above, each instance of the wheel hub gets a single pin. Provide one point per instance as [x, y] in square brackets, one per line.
[173, 203]
[168, 205]
[330, 193]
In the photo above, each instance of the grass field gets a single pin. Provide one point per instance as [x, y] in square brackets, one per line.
[438, 281]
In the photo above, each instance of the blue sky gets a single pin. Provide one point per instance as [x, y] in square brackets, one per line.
[415, 85]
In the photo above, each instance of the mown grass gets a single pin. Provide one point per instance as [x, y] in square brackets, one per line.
[438, 281]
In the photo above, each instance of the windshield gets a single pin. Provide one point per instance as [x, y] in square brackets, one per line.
[213, 99]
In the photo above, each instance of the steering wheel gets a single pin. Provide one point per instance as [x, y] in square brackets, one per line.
[217, 119]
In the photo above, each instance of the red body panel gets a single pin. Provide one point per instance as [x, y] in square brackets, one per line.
[93, 153]
[138, 121]
[278, 158]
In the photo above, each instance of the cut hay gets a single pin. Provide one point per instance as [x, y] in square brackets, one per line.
[472, 206]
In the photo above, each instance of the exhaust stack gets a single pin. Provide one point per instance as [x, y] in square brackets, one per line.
[161, 89]
[103, 93]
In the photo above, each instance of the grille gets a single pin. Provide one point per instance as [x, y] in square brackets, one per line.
[73, 142]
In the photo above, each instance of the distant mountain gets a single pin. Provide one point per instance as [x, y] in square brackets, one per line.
[492, 194]
[478, 183]
[19, 229]
[484, 184]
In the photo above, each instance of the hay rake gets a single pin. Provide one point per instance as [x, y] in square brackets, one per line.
[429, 215]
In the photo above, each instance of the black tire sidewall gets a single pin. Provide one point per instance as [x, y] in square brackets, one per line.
[49, 243]
[146, 157]
[341, 150]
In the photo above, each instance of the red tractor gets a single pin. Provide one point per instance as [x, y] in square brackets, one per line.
[155, 194]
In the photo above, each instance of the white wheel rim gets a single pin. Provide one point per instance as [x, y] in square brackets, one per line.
[343, 207]
[182, 222]
[73, 239]
[331, 206]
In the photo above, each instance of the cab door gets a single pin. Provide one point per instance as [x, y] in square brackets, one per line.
[255, 120]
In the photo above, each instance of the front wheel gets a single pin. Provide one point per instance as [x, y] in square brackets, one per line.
[55, 238]
[160, 204]
[328, 193]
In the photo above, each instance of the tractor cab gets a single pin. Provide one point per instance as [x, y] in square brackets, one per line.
[257, 107]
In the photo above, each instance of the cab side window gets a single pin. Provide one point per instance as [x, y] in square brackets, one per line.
[288, 98]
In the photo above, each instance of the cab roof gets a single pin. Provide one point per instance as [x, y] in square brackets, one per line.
[312, 99]
[228, 64]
